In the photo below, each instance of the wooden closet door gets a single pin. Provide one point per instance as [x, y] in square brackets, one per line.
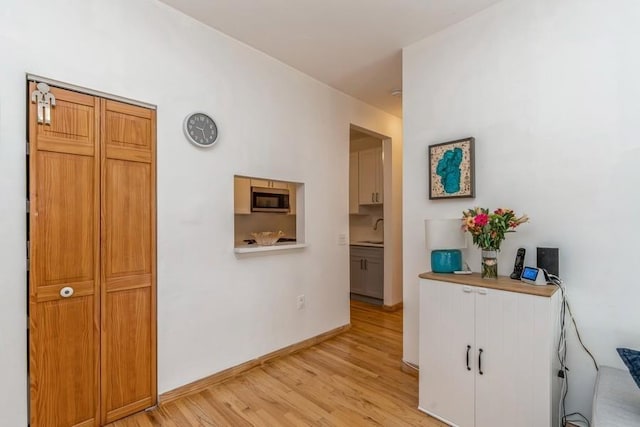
[128, 210]
[64, 249]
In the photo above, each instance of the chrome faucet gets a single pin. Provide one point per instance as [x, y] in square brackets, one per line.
[375, 226]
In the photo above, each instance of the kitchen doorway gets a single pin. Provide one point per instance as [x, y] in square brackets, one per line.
[375, 218]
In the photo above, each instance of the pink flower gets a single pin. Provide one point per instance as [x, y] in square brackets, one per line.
[481, 219]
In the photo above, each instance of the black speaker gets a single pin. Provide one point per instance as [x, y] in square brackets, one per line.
[548, 259]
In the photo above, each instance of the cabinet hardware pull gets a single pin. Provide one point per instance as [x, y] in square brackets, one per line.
[373, 197]
[480, 362]
[468, 349]
[366, 267]
[377, 198]
[361, 264]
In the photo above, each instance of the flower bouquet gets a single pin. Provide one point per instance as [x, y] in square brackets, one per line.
[488, 230]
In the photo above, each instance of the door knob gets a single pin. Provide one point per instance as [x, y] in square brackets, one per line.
[66, 292]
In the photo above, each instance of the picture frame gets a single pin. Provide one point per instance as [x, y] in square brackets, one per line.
[452, 169]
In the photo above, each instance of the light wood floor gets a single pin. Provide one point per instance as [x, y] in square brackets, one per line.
[354, 379]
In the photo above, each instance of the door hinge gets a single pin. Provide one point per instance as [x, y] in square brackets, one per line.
[28, 256]
[28, 206]
[27, 146]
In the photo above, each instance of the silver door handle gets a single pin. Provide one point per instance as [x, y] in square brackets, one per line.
[66, 292]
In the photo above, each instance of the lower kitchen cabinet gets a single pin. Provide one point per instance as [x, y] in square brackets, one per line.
[487, 356]
[367, 271]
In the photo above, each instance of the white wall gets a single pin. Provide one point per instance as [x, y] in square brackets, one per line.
[550, 90]
[215, 310]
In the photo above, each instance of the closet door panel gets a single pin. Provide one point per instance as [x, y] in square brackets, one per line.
[64, 377]
[128, 209]
[64, 248]
[128, 260]
[128, 357]
[66, 216]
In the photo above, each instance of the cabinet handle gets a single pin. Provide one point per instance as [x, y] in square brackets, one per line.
[373, 198]
[468, 350]
[377, 198]
[361, 264]
[480, 362]
[366, 267]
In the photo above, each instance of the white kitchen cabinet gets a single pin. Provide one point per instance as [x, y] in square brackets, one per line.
[242, 195]
[370, 177]
[354, 202]
[487, 356]
[268, 183]
[367, 271]
[293, 192]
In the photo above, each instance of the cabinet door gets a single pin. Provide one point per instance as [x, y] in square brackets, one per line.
[446, 335]
[354, 202]
[293, 194]
[514, 332]
[242, 195]
[356, 274]
[263, 183]
[367, 177]
[379, 177]
[374, 276]
[279, 184]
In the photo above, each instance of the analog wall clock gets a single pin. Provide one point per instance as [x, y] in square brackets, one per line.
[200, 129]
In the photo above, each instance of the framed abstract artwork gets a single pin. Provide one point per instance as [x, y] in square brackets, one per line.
[451, 169]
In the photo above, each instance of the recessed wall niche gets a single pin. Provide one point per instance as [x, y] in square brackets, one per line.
[267, 209]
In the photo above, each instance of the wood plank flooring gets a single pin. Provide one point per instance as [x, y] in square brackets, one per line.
[354, 379]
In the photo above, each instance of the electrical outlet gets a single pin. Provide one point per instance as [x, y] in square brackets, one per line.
[300, 302]
[342, 239]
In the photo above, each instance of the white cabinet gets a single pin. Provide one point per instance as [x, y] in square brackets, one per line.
[370, 177]
[242, 195]
[293, 193]
[354, 203]
[267, 183]
[367, 271]
[487, 356]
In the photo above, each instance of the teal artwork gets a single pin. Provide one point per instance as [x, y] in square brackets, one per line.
[451, 169]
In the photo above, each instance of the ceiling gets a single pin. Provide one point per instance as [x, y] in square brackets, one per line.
[354, 46]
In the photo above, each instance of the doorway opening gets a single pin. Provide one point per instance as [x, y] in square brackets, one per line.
[375, 219]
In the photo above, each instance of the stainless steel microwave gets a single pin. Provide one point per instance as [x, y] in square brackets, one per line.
[269, 200]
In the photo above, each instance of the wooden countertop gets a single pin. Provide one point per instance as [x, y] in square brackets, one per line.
[502, 283]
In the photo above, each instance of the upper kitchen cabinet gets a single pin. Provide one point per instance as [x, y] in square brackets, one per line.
[242, 195]
[293, 192]
[370, 182]
[267, 183]
[354, 202]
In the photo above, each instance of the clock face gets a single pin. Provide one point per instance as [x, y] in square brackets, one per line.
[200, 129]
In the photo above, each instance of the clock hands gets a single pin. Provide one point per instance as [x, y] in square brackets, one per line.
[201, 130]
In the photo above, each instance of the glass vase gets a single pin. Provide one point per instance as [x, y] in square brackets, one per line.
[489, 263]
